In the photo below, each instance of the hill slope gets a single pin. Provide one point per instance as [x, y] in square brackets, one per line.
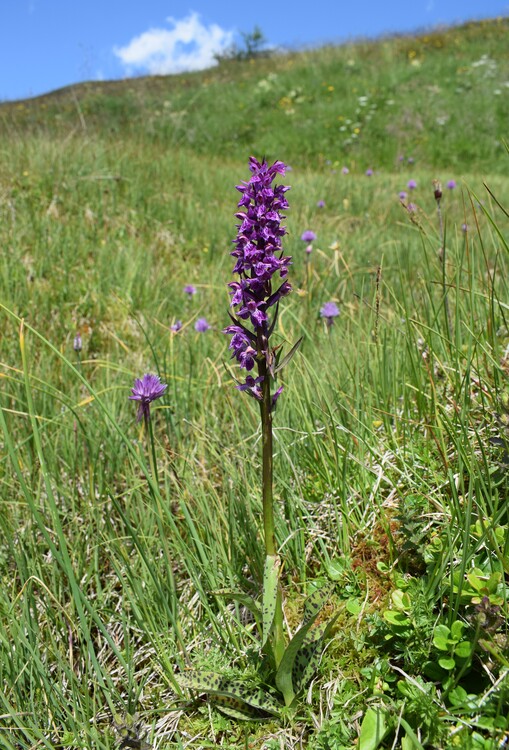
[441, 98]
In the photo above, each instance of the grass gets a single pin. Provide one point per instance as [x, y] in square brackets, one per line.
[391, 433]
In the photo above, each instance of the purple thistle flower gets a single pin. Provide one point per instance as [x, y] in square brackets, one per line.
[329, 311]
[412, 184]
[309, 249]
[403, 195]
[321, 204]
[259, 261]
[451, 184]
[201, 325]
[345, 170]
[146, 390]
[176, 327]
[411, 208]
[308, 236]
[369, 172]
[190, 290]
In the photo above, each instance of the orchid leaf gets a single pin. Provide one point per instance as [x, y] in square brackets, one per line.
[286, 359]
[244, 599]
[234, 695]
[270, 592]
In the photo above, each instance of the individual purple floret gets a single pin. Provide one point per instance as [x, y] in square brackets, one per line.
[190, 290]
[412, 184]
[321, 204]
[201, 325]
[176, 327]
[369, 172]
[451, 184]
[146, 390]
[308, 236]
[329, 311]
[260, 264]
[403, 195]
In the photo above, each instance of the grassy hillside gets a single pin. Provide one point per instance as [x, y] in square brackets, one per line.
[122, 541]
[441, 98]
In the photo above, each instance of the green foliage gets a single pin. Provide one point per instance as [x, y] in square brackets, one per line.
[390, 435]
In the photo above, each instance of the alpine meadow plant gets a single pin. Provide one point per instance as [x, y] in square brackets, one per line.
[262, 269]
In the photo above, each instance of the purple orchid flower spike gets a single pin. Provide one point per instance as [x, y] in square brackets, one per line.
[145, 390]
[260, 264]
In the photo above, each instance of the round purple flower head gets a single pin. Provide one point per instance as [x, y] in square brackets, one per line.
[321, 204]
[329, 311]
[146, 390]
[176, 327]
[412, 184]
[201, 325]
[402, 195]
[369, 172]
[345, 170]
[259, 263]
[308, 236]
[190, 290]
[451, 184]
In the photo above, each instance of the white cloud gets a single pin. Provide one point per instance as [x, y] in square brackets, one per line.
[189, 45]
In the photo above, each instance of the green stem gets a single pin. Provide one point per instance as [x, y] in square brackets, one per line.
[278, 639]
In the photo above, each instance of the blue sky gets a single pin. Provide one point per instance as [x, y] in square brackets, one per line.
[46, 44]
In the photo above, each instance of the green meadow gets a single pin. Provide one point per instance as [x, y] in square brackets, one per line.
[130, 558]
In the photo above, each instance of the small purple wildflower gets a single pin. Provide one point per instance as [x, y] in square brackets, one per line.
[309, 249]
[401, 157]
[345, 170]
[321, 204]
[77, 343]
[176, 327]
[403, 195]
[369, 172]
[329, 311]
[146, 390]
[308, 236]
[464, 227]
[411, 208]
[451, 184]
[410, 160]
[190, 290]
[201, 325]
[412, 184]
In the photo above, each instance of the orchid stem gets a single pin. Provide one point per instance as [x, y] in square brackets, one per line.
[278, 643]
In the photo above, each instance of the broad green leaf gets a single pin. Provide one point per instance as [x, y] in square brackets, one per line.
[441, 638]
[308, 657]
[315, 602]
[398, 619]
[270, 592]
[463, 650]
[447, 663]
[237, 709]
[401, 600]
[457, 630]
[374, 727]
[284, 675]
[215, 684]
